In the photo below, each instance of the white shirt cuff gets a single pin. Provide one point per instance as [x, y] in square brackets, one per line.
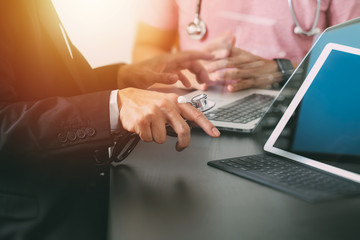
[115, 125]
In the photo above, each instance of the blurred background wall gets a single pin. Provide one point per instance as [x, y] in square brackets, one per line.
[103, 30]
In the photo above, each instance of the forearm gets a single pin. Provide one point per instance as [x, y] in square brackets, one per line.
[55, 125]
[107, 76]
[151, 41]
[146, 51]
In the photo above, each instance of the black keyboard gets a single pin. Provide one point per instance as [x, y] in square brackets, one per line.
[243, 110]
[299, 180]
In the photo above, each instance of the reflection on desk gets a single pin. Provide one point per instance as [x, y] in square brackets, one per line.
[158, 193]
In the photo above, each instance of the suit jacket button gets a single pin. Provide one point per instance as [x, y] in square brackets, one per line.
[81, 133]
[62, 137]
[90, 132]
[71, 136]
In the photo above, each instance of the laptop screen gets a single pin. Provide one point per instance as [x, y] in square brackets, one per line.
[321, 126]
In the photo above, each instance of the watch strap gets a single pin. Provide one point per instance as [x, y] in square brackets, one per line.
[285, 67]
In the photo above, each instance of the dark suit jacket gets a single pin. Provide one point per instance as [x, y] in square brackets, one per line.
[54, 115]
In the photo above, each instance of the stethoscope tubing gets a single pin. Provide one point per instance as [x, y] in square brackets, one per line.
[313, 29]
[297, 30]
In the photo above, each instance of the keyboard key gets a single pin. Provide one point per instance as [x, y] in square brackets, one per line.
[294, 178]
[243, 110]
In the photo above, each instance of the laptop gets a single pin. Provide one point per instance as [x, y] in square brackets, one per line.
[313, 153]
[239, 111]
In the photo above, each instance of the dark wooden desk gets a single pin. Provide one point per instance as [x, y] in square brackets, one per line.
[158, 193]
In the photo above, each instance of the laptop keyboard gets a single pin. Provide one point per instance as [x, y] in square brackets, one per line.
[243, 110]
[291, 177]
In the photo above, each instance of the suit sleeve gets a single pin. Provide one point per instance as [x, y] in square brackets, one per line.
[50, 126]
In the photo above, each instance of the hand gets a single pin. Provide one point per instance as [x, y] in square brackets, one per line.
[220, 48]
[164, 69]
[243, 70]
[147, 112]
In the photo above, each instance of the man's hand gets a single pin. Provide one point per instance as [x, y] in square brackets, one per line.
[147, 113]
[164, 69]
[220, 48]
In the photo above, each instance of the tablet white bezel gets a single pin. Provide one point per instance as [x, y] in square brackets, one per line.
[269, 145]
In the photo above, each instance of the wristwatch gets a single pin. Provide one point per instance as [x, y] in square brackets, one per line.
[285, 67]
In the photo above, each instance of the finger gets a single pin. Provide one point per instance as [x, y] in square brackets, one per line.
[221, 53]
[144, 131]
[202, 86]
[176, 61]
[196, 116]
[188, 60]
[176, 122]
[217, 65]
[183, 78]
[234, 62]
[202, 75]
[181, 128]
[235, 73]
[165, 78]
[216, 79]
[196, 68]
[226, 75]
[240, 85]
[158, 130]
[225, 41]
[193, 82]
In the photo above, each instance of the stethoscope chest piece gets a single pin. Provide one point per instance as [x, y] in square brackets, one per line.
[202, 103]
[197, 28]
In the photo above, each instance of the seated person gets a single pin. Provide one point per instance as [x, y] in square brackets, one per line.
[245, 35]
[58, 118]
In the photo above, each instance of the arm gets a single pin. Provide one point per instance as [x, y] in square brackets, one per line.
[55, 126]
[239, 69]
[156, 29]
[81, 124]
[35, 126]
[164, 69]
[151, 41]
[242, 70]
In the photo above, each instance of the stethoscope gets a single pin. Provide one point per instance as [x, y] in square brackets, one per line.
[199, 101]
[127, 141]
[298, 30]
[197, 28]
